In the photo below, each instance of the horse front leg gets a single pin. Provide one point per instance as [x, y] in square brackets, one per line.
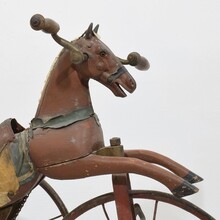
[93, 165]
[153, 157]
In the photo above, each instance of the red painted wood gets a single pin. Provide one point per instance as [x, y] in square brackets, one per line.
[124, 204]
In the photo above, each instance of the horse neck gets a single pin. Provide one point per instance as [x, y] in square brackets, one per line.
[64, 91]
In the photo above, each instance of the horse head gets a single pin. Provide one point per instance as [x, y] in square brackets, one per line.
[93, 59]
[102, 65]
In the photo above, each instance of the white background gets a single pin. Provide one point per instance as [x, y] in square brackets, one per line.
[175, 110]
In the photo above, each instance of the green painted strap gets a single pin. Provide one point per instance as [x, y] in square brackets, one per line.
[63, 120]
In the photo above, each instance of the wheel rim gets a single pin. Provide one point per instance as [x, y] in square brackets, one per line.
[142, 194]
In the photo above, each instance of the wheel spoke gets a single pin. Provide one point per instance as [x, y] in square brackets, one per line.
[155, 209]
[105, 212]
[138, 212]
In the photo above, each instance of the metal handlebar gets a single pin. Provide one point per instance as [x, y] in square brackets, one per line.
[138, 61]
[47, 25]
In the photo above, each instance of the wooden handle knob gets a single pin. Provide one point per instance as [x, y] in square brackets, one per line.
[38, 22]
[140, 63]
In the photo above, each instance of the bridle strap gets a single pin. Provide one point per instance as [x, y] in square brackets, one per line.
[63, 120]
[117, 74]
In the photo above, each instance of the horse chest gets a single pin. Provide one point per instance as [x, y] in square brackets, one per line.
[50, 147]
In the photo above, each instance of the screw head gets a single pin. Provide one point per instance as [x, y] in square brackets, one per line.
[115, 141]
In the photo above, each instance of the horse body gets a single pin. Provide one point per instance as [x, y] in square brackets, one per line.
[65, 136]
[66, 92]
[70, 150]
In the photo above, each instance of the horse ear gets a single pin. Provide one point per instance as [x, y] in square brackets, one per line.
[96, 29]
[89, 32]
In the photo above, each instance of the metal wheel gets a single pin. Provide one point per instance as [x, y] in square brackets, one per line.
[155, 196]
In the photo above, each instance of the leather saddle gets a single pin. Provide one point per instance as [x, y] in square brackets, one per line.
[9, 183]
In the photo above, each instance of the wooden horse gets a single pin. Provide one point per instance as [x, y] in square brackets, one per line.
[65, 139]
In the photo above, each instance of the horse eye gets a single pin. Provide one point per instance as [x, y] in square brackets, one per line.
[102, 53]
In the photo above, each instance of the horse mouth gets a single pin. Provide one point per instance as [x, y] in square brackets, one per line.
[118, 90]
[118, 82]
[119, 86]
